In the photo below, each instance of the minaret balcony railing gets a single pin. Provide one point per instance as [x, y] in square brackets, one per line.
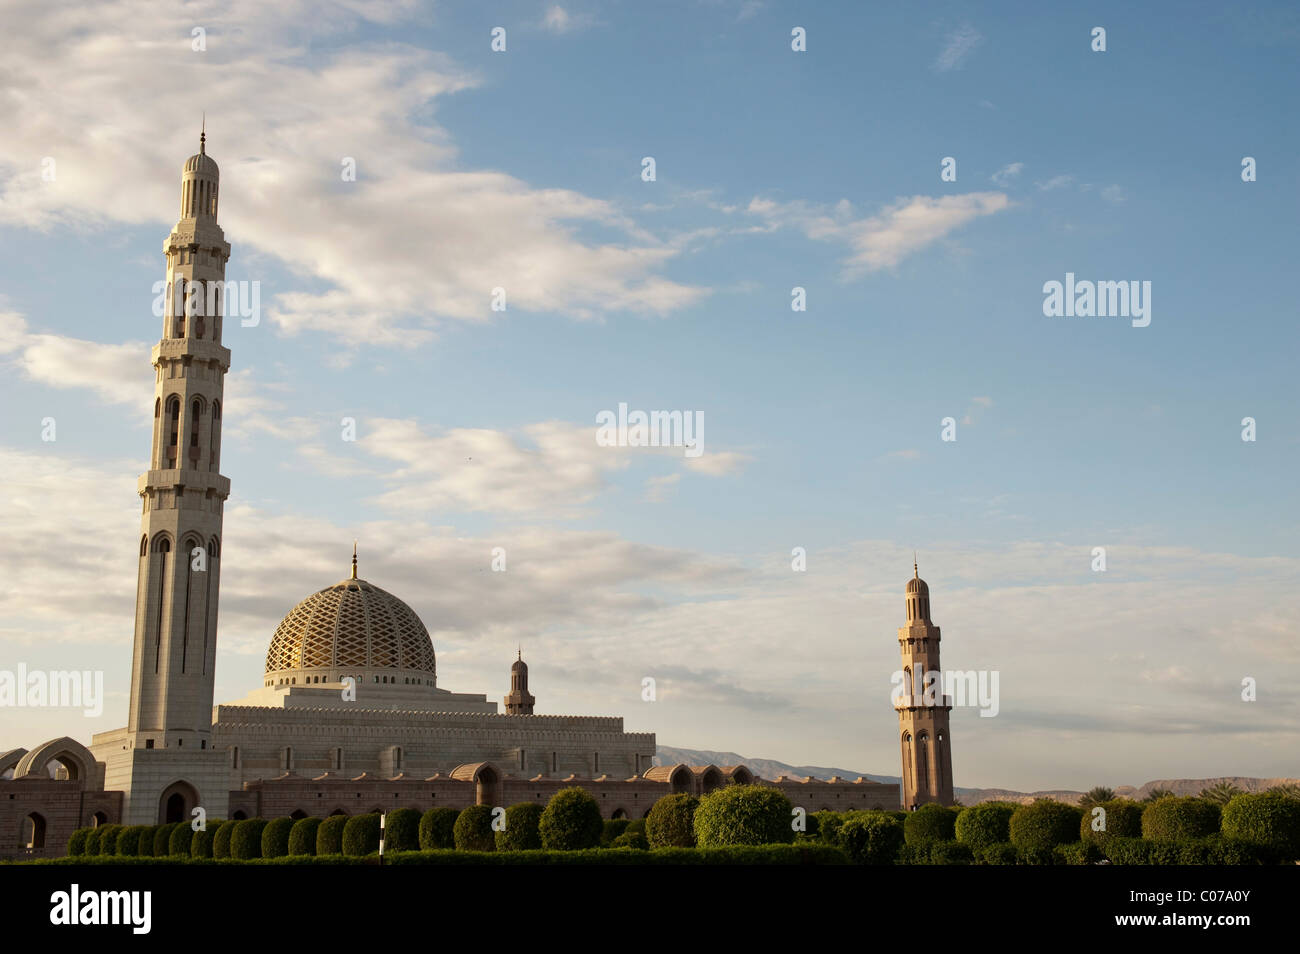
[199, 348]
[189, 479]
[918, 702]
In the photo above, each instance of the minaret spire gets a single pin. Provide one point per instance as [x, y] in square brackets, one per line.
[203, 135]
[354, 559]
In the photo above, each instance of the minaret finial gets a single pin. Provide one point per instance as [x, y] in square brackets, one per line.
[916, 573]
[354, 559]
[521, 652]
[203, 134]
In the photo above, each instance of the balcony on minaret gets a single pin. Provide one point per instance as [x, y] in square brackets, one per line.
[920, 702]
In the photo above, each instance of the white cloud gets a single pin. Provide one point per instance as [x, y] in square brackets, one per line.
[1007, 173]
[657, 489]
[1056, 182]
[958, 46]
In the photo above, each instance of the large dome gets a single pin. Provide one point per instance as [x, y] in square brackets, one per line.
[352, 627]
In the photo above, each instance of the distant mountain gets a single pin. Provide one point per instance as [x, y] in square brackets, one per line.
[770, 768]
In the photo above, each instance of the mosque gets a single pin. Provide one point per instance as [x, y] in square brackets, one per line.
[350, 717]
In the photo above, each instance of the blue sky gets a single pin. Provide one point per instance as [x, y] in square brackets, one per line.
[775, 169]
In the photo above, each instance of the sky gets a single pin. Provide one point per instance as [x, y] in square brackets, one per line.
[775, 169]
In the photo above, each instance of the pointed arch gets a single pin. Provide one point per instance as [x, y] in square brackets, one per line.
[68, 752]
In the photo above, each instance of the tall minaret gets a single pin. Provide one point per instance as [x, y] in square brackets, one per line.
[927, 755]
[520, 701]
[183, 494]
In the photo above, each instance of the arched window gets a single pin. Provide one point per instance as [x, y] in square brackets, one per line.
[174, 428]
[196, 415]
[286, 758]
[214, 436]
[34, 832]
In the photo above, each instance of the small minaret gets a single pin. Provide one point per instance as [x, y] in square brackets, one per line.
[926, 744]
[520, 700]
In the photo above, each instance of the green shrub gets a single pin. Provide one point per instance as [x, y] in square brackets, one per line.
[144, 847]
[930, 823]
[1177, 819]
[92, 840]
[612, 828]
[108, 839]
[1123, 819]
[275, 837]
[246, 842]
[178, 845]
[128, 841]
[201, 843]
[1076, 853]
[77, 842]
[522, 828]
[828, 826]
[473, 831]
[438, 829]
[329, 836]
[635, 826]
[671, 822]
[302, 836]
[743, 815]
[800, 853]
[570, 822]
[951, 853]
[1038, 828]
[1002, 853]
[221, 839]
[361, 835]
[402, 830]
[871, 839]
[631, 839]
[162, 839]
[1270, 821]
[988, 823]
[1127, 851]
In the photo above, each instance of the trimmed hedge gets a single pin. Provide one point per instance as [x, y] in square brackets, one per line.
[612, 828]
[92, 840]
[631, 839]
[671, 822]
[402, 830]
[1076, 853]
[570, 822]
[438, 829]
[178, 844]
[1123, 820]
[871, 838]
[1038, 828]
[743, 815]
[473, 831]
[144, 847]
[128, 840]
[361, 835]
[1176, 819]
[988, 823]
[162, 839]
[329, 836]
[522, 831]
[1002, 853]
[930, 823]
[951, 852]
[1270, 821]
[302, 836]
[221, 839]
[77, 842]
[828, 826]
[201, 843]
[275, 837]
[635, 826]
[246, 842]
[108, 839]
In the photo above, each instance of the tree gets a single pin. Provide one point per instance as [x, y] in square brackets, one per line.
[1220, 793]
[671, 822]
[571, 821]
[1095, 796]
[1287, 790]
[1177, 819]
[438, 829]
[1158, 793]
[522, 828]
[402, 830]
[929, 823]
[987, 823]
[473, 829]
[1038, 828]
[361, 835]
[872, 838]
[1268, 820]
[743, 815]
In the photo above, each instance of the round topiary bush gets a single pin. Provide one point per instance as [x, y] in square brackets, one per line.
[302, 836]
[201, 843]
[221, 839]
[743, 815]
[987, 823]
[473, 829]
[275, 837]
[246, 842]
[1268, 821]
[1176, 819]
[950, 853]
[571, 821]
[402, 830]
[1122, 819]
[871, 838]
[1038, 828]
[329, 836]
[361, 835]
[108, 839]
[77, 842]
[128, 842]
[671, 822]
[178, 845]
[144, 847]
[612, 828]
[631, 839]
[522, 831]
[92, 840]
[930, 823]
[162, 839]
[1002, 853]
[438, 829]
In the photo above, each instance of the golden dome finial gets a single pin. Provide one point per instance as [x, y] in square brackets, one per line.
[354, 559]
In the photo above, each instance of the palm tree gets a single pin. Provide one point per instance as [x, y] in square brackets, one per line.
[1289, 789]
[1095, 796]
[1220, 793]
[1158, 793]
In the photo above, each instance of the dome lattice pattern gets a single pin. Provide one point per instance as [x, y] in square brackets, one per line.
[351, 624]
